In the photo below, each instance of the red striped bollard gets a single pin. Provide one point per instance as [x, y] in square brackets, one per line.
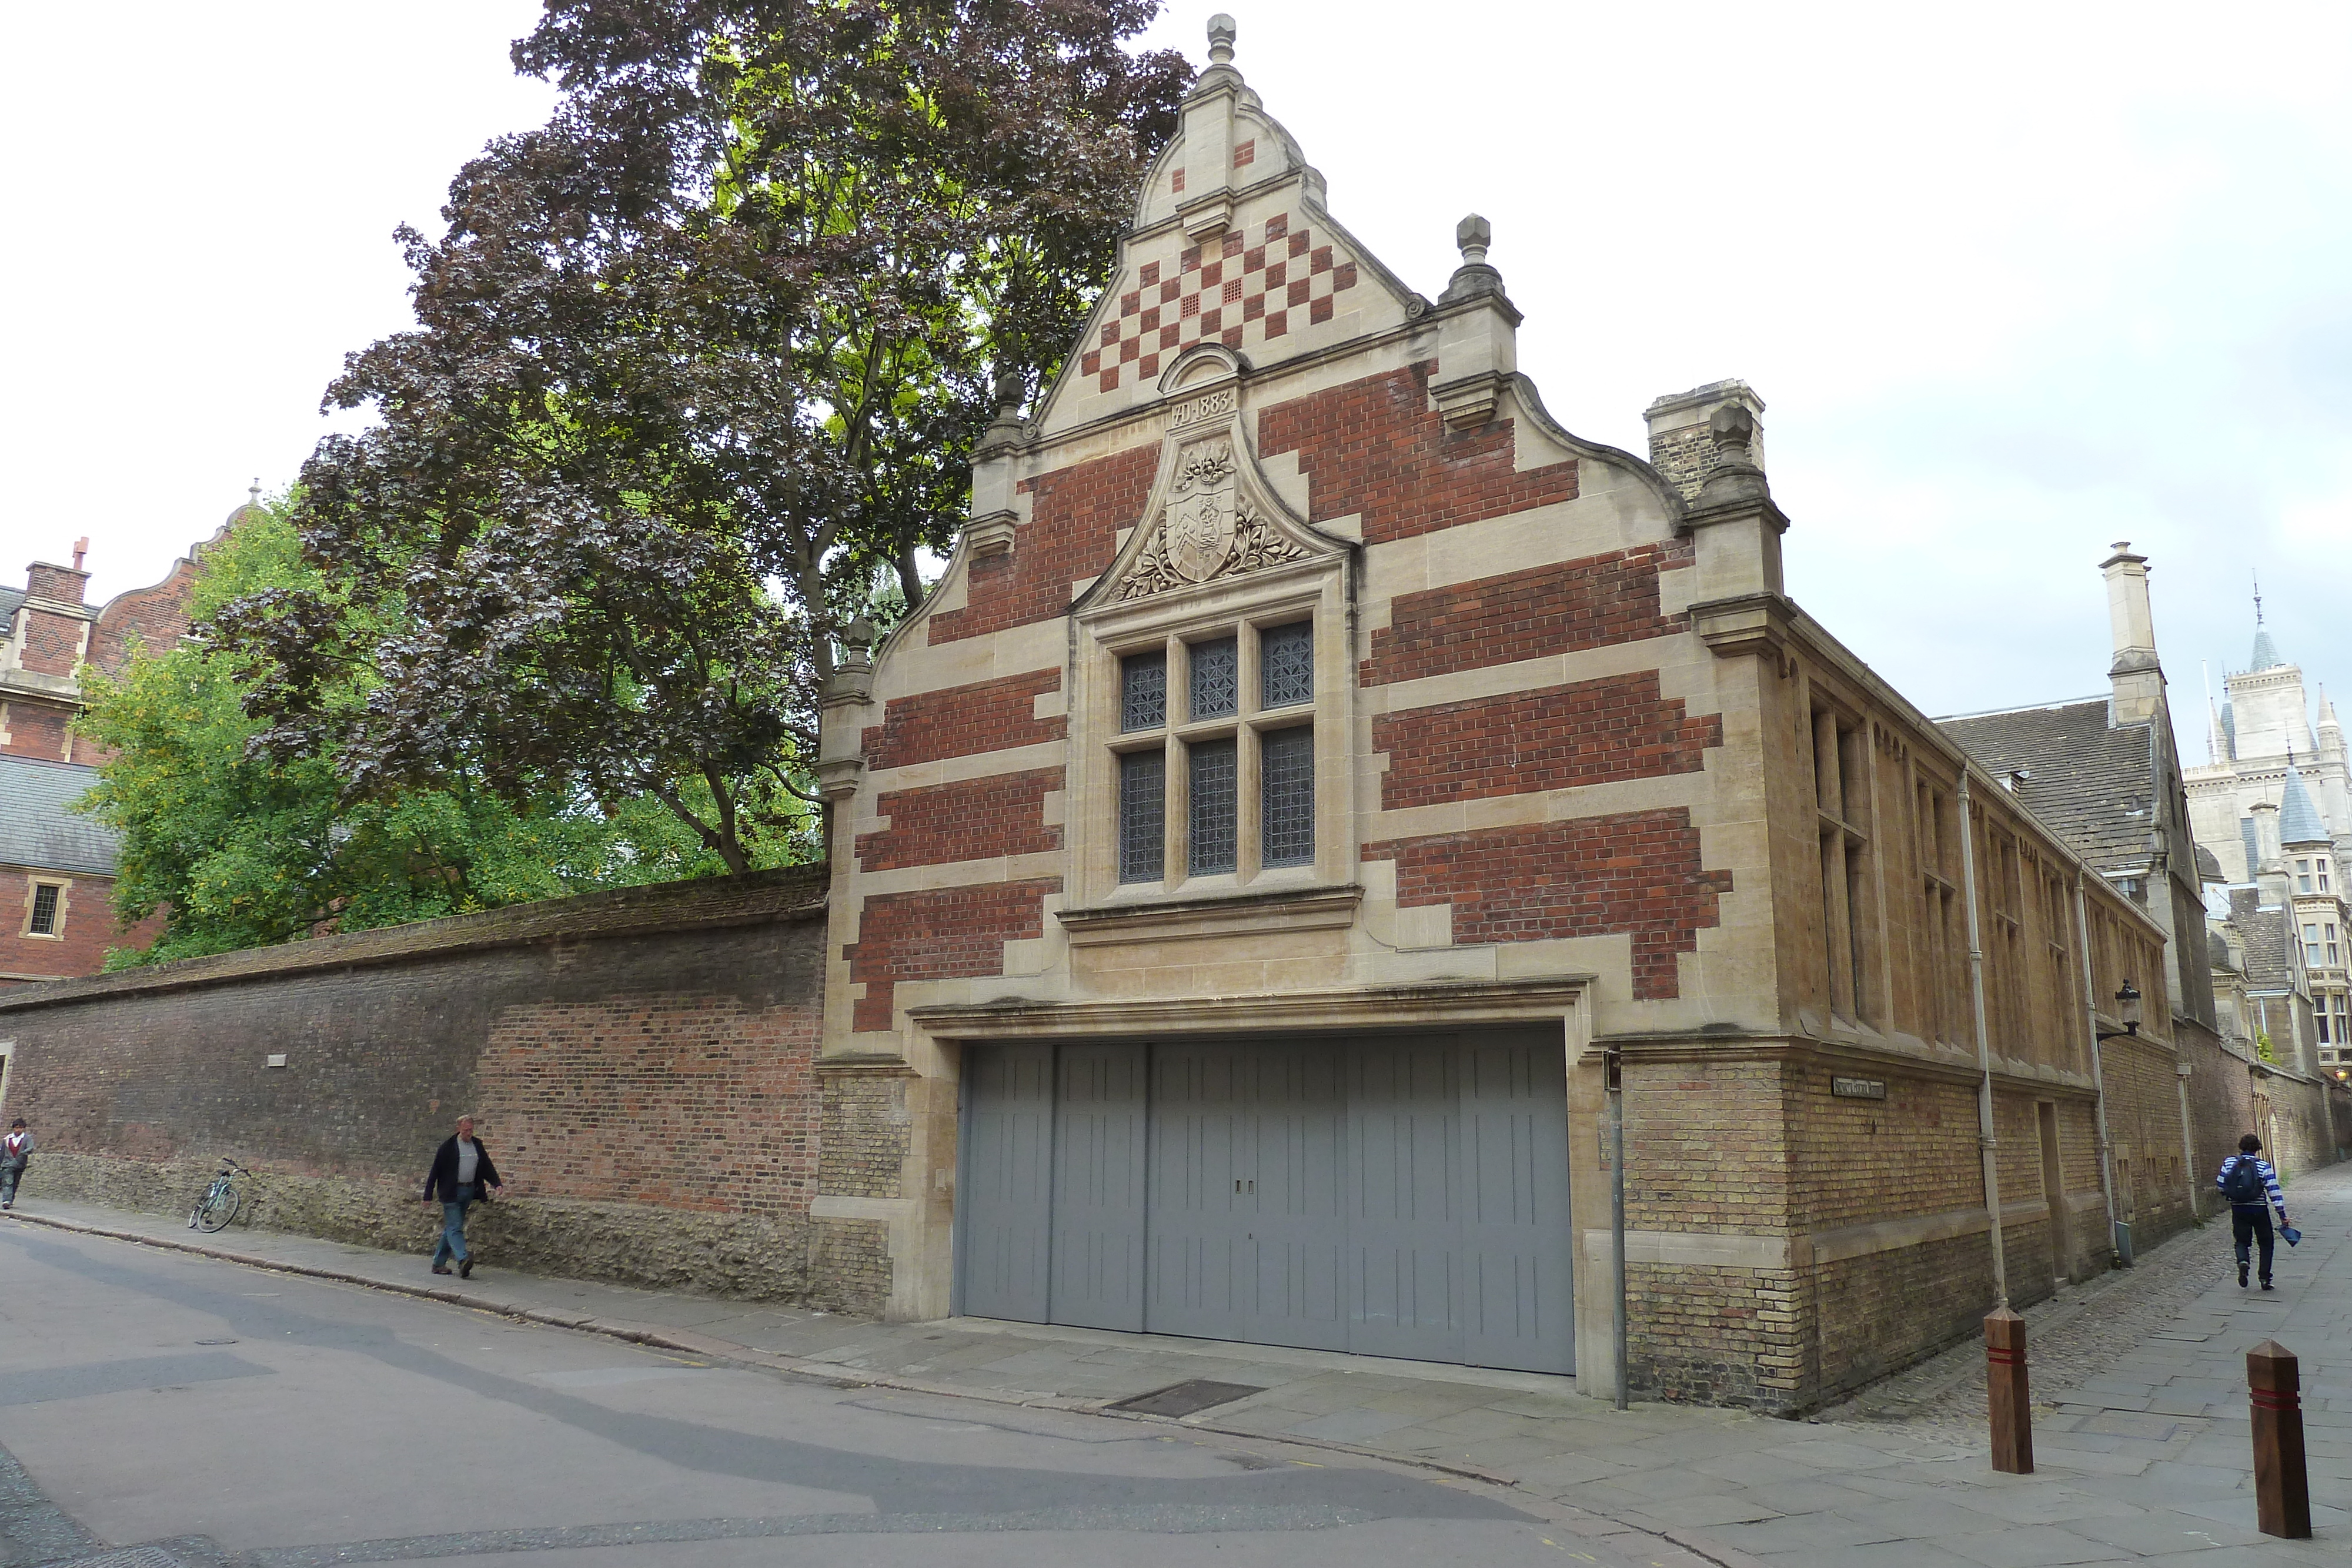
[2006, 1400]
[2282, 1487]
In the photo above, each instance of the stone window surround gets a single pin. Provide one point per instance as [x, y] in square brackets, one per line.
[1311, 590]
[33, 885]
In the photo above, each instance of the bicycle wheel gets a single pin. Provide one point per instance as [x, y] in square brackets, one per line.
[218, 1207]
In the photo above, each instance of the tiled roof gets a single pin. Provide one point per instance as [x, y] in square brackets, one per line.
[2087, 783]
[2263, 933]
[37, 829]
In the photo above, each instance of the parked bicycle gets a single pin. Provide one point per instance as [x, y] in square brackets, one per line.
[222, 1199]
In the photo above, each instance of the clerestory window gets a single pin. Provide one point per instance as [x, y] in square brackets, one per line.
[1216, 753]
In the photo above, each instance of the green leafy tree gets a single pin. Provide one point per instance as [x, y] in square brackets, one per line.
[242, 848]
[693, 365]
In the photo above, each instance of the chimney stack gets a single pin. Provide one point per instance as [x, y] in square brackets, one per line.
[2135, 677]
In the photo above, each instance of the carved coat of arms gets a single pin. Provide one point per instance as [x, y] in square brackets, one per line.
[1201, 514]
[1207, 528]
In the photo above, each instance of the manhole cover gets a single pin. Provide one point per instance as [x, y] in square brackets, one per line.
[1185, 1398]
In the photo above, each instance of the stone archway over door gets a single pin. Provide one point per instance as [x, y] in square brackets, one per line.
[1403, 1196]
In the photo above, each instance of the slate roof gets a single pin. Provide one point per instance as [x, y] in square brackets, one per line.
[2266, 654]
[2299, 821]
[36, 828]
[2263, 933]
[2087, 783]
[9, 599]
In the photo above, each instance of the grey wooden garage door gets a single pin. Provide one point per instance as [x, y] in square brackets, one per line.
[1404, 1198]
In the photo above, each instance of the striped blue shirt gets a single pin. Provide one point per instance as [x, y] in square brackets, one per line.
[2262, 1168]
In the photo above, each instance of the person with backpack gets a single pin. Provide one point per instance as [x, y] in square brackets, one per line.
[15, 1154]
[2253, 1189]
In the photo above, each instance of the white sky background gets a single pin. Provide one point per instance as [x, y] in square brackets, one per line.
[2076, 274]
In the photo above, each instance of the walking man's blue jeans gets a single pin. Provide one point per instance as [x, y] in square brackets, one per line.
[453, 1227]
[2248, 1224]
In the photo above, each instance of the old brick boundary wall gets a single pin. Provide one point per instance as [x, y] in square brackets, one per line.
[640, 1063]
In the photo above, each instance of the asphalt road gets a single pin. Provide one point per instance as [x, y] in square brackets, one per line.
[231, 1416]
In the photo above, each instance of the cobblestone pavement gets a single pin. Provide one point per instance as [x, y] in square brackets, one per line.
[2141, 1434]
[2079, 1333]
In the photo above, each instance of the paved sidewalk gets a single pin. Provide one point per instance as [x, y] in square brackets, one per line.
[2142, 1443]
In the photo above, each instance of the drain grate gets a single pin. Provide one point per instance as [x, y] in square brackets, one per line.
[1188, 1397]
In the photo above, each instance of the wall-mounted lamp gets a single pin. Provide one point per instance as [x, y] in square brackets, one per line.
[2127, 1010]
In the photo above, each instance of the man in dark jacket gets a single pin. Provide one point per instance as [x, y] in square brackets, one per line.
[461, 1170]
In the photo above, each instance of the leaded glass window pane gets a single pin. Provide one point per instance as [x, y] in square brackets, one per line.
[1286, 662]
[1286, 796]
[1143, 692]
[1216, 678]
[1213, 835]
[1142, 816]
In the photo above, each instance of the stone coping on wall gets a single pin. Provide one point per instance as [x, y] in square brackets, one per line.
[794, 893]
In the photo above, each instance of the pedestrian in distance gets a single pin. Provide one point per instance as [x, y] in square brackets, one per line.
[15, 1154]
[462, 1174]
[2253, 1189]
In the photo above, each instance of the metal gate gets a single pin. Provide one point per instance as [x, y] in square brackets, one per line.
[1391, 1196]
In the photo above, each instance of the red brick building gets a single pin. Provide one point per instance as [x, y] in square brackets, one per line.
[56, 866]
[1316, 760]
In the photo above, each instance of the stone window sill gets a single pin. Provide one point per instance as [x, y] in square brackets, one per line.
[1222, 915]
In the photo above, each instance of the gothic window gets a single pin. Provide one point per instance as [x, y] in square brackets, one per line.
[1226, 786]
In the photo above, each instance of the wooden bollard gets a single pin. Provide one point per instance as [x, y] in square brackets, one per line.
[2006, 1400]
[2281, 1489]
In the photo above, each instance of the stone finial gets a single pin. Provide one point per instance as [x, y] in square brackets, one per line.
[1472, 235]
[1010, 386]
[856, 644]
[1732, 427]
[1475, 275]
[1221, 39]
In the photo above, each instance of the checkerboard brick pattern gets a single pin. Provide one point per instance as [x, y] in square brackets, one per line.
[1254, 284]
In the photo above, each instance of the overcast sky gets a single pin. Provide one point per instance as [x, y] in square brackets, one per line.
[2014, 281]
